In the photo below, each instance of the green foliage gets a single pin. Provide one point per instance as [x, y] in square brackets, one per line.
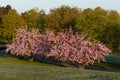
[100, 25]
[92, 22]
[112, 31]
[61, 18]
[34, 19]
[10, 22]
[5, 10]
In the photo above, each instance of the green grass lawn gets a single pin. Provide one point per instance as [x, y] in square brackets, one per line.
[15, 69]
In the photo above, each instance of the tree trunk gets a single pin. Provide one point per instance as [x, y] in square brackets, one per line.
[31, 58]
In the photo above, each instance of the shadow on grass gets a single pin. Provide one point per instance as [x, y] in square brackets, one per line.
[42, 59]
[113, 61]
[112, 64]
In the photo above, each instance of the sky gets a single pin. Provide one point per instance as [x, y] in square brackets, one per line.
[24, 5]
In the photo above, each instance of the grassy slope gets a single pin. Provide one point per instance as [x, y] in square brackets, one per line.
[15, 69]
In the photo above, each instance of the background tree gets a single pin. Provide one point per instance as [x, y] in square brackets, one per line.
[42, 21]
[61, 18]
[34, 19]
[92, 22]
[101, 25]
[31, 17]
[3, 11]
[112, 31]
[10, 22]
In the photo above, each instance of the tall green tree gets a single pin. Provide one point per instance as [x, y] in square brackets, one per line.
[92, 22]
[63, 17]
[112, 31]
[10, 22]
[3, 11]
[31, 17]
[34, 18]
[42, 21]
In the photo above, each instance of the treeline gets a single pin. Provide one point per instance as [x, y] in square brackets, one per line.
[99, 24]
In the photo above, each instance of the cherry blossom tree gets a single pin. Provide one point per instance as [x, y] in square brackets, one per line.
[75, 48]
[65, 46]
[28, 43]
